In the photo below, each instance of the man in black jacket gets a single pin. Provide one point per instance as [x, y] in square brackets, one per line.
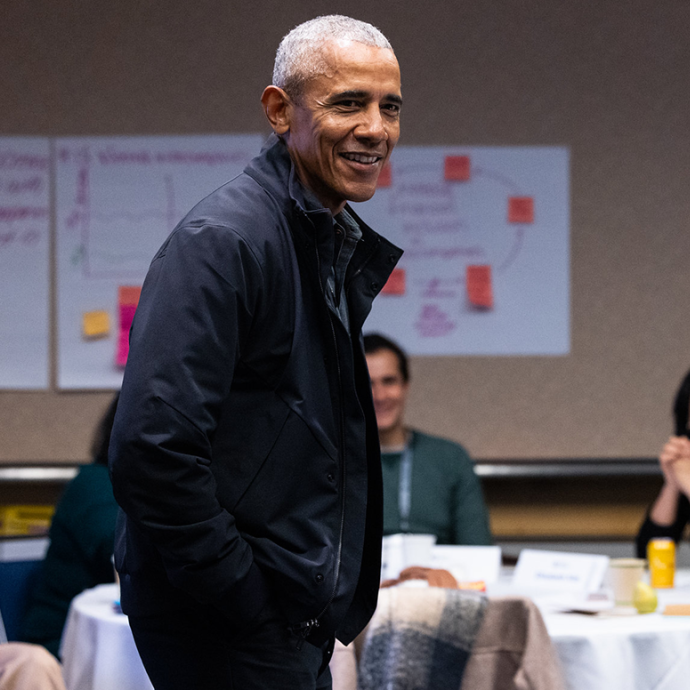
[245, 452]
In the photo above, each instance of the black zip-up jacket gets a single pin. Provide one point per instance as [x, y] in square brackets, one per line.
[244, 453]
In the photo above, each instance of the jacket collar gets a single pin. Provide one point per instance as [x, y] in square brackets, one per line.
[274, 171]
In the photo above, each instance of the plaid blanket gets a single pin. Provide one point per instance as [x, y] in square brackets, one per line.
[420, 639]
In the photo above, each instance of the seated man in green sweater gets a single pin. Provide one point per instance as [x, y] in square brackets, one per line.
[429, 484]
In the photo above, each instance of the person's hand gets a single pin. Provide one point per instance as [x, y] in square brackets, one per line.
[675, 463]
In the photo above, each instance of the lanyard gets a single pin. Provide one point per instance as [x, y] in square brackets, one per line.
[405, 491]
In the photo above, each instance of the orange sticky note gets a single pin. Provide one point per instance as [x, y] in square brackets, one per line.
[395, 285]
[95, 324]
[457, 168]
[479, 290]
[128, 294]
[128, 298]
[520, 209]
[385, 176]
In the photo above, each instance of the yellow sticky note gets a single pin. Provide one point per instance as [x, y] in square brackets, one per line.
[96, 324]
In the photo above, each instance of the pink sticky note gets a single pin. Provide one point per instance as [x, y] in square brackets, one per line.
[122, 350]
[520, 209]
[128, 298]
[479, 290]
[395, 285]
[385, 176]
[457, 168]
[126, 318]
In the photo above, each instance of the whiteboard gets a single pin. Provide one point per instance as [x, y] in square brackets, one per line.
[485, 232]
[24, 262]
[486, 269]
[117, 199]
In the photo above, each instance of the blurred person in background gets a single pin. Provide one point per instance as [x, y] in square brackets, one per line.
[669, 513]
[82, 535]
[429, 483]
[28, 667]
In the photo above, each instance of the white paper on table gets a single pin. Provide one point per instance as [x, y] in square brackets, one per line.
[556, 571]
[468, 563]
[400, 551]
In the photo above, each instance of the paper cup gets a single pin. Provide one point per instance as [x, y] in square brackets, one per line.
[623, 575]
[417, 549]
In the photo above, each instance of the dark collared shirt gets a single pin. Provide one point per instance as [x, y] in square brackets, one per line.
[347, 234]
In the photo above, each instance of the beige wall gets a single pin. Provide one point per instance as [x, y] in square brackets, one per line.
[609, 79]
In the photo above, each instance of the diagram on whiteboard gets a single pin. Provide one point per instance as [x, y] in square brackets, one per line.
[117, 199]
[485, 232]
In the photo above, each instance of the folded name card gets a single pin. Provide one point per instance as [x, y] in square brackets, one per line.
[559, 571]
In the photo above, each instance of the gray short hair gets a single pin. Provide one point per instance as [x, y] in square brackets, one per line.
[300, 55]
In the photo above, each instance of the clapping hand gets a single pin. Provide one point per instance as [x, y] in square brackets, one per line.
[675, 463]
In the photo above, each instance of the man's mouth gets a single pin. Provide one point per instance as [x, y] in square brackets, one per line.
[363, 158]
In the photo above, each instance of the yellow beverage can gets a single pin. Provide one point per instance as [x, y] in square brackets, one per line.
[661, 555]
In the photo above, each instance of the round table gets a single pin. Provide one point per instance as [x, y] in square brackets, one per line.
[634, 652]
[639, 652]
[97, 650]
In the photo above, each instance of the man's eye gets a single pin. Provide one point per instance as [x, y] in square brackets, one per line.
[391, 108]
[348, 104]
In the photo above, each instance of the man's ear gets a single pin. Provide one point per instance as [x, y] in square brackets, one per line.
[278, 108]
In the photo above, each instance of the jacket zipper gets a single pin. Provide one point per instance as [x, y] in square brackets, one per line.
[305, 628]
[364, 264]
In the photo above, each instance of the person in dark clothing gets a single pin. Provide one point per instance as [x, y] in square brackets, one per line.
[244, 452]
[82, 536]
[670, 512]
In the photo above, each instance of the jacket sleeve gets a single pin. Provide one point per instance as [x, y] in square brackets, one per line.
[194, 315]
[651, 530]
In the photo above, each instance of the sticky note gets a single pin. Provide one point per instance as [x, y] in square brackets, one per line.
[395, 285]
[385, 176]
[677, 610]
[457, 168]
[122, 351]
[479, 290]
[520, 209]
[128, 294]
[95, 324]
[128, 298]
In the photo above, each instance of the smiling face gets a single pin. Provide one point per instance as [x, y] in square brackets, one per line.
[343, 126]
[389, 391]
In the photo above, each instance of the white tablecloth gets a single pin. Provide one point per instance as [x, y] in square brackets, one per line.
[623, 654]
[641, 652]
[638, 652]
[98, 651]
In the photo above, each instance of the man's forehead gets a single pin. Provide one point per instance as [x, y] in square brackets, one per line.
[335, 53]
[361, 71]
[385, 361]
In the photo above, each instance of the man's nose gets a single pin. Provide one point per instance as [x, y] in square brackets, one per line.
[372, 125]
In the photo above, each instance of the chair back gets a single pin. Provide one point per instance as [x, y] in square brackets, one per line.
[20, 563]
